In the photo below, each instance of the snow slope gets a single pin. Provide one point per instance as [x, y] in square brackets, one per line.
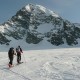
[50, 64]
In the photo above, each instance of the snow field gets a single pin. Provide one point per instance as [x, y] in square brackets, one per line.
[50, 64]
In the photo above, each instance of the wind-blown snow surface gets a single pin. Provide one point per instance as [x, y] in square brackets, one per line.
[42, 61]
[50, 64]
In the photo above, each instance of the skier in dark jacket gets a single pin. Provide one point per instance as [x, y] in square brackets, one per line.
[19, 51]
[11, 56]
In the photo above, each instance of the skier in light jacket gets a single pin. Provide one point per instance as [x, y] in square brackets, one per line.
[19, 51]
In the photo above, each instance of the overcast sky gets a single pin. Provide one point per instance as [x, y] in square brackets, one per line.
[67, 9]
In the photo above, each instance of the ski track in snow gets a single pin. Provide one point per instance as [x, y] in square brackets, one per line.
[52, 64]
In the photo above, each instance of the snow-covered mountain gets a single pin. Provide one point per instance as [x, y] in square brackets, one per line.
[35, 23]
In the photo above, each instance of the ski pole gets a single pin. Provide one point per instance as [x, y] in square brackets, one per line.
[24, 58]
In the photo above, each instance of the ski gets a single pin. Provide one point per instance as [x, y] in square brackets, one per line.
[10, 66]
[19, 63]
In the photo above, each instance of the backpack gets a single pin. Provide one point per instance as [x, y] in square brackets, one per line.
[18, 50]
[11, 52]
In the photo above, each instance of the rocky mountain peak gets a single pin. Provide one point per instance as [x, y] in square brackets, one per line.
[33, 23]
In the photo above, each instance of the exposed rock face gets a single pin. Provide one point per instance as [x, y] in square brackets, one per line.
[31, 20]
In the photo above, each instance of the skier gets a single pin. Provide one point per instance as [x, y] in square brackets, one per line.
[19, 51]
[11, 56]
